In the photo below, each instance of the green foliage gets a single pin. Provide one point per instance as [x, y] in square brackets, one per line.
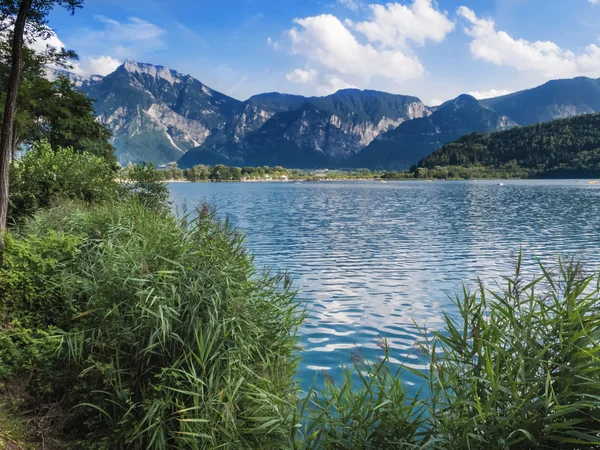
[53, 110]
[521, 369]
[144, 184]
[177, 340]
[42, 176]
[561, 148]
[368, 410]
[66, 118]
[32, 287]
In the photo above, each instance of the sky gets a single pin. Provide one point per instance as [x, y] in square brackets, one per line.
[434, 50]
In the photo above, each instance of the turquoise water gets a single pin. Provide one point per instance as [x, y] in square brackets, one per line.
[373, 259]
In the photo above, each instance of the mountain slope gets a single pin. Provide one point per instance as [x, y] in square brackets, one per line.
[553, 100]
[323, 130]
[405, 145]
[563, 147]
[160, 115]
[157, 114]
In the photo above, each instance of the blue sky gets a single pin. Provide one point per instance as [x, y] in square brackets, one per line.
[432, 49]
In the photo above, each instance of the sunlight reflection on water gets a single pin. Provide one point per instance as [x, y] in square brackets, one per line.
[373, 259]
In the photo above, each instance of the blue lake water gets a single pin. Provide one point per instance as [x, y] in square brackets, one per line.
[373, 259]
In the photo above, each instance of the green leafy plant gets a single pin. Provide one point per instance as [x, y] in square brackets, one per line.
[43, 176]
[520, 369]
[177, 340]
[144, 184]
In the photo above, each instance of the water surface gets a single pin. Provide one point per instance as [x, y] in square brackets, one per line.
[373, 259]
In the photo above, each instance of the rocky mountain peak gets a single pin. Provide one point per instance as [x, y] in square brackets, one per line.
[157, 72]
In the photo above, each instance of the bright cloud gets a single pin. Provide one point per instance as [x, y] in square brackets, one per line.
[394, 24]
[543, 57]
[103, 65]
[273, 43]
[480, 95]
[326, 41]
[332, 84]
[302, 76]
[345, 53]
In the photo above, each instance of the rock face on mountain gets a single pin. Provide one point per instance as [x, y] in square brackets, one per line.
[157, 114]
[408, 143]
[306, 132]
[555, 99]
[160, 115]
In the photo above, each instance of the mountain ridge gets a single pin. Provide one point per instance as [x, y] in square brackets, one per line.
[160, 115]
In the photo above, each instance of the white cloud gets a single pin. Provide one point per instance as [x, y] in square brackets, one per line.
[40, 45]
[332, 84]
[102, 65]
[350, 4]
[325, 40]
[347, 53]
[133, 30]
[302, 76]
[480, 95]
[594, 1]
[394, 24]
[542, 57]
[435, 102]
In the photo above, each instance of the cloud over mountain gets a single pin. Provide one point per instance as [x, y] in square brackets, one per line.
[545, 58]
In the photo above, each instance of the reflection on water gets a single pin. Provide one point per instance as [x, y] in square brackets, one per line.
[373, 259]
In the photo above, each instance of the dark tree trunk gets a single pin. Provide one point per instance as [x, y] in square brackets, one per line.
[15, 146]
[8, 122]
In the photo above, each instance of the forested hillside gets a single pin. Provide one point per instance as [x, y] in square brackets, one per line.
[564, 147]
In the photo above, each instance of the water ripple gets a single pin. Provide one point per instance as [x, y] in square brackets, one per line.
[375, 259]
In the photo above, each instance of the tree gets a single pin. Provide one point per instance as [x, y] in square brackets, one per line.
[22, 16]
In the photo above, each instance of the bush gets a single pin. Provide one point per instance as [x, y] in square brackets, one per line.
[145, 184]
[177, 340]
[43, 176]
[157, 333]
[369, 409]
[521, 370]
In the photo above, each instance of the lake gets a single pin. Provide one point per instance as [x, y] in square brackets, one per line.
[373, 259]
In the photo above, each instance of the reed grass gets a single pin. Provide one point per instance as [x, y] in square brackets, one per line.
[167, 337]
[179, 342]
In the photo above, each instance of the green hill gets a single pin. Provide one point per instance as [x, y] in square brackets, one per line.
[561, 148]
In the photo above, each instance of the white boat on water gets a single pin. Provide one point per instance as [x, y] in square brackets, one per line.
[500, 184]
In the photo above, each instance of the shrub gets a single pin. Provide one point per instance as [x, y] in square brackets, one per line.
[43, 176]
[177, 340]
[144, 183]
[367, 409]
[521, 369]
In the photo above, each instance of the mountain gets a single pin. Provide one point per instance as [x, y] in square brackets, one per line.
[405, 145]
[553, 100]
[307, 132]
[157, 114]
[560, 148]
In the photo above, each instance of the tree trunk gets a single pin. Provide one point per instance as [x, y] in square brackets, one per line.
[6, 135]
[15, 145]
